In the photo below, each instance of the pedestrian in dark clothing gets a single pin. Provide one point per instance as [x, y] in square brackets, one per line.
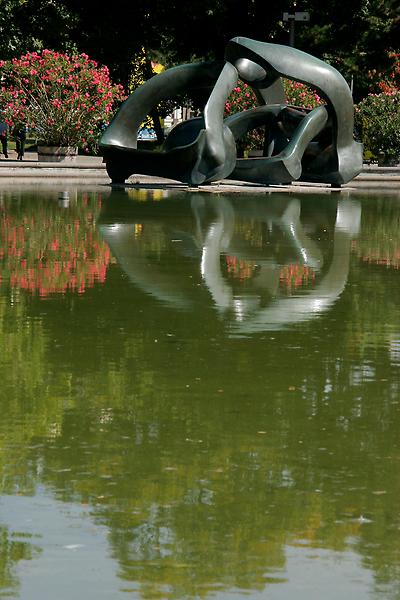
[4, 138]
[19, 134]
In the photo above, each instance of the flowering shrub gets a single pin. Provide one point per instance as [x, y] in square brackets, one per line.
[65, 100]
[243, 98]
[378, 119]
[299, 94]
[52, 250]
[391, 81]
[388, 81]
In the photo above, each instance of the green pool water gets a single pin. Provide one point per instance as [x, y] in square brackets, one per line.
[199, 395]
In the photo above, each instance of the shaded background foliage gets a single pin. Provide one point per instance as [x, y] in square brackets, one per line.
[354, 36]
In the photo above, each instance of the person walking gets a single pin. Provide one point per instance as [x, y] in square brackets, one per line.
[19, 134]
[4, 138]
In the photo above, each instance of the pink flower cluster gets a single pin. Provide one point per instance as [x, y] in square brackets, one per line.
[300, 95]
[59, 96]
[242, 98]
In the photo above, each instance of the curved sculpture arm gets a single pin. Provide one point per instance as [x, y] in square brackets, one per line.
[272, 94]
[122, 131]
[278, 60]
[285, 166]
[312, 124]
[242, 122]
[261, 64]
[219, 153]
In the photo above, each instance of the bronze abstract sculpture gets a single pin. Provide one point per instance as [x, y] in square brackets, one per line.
[314, 145]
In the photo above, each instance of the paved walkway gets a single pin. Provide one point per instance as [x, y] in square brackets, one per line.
[91, 169]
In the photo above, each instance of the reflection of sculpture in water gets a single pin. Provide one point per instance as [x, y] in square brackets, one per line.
[250, 313]
[266, 236]
[312, 145]
[220, 239]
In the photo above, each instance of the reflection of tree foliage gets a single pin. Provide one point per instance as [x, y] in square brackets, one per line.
[24, 400]
[11, 552]
[380, 243]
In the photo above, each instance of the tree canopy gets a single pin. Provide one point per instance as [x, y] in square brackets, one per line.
[354, 36]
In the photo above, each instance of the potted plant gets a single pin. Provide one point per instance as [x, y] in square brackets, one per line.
[65, 101]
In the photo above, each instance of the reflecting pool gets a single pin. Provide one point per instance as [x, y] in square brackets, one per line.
[200, 395]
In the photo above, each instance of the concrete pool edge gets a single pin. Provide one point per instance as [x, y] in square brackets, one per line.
[90, 169]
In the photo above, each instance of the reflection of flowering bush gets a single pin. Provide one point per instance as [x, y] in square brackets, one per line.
[386, 257]
[291, 277]
[294, 276]
[65, 100]
[46, 252]
[240, 269]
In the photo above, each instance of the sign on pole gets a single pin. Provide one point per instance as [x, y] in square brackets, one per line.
[292, 17]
